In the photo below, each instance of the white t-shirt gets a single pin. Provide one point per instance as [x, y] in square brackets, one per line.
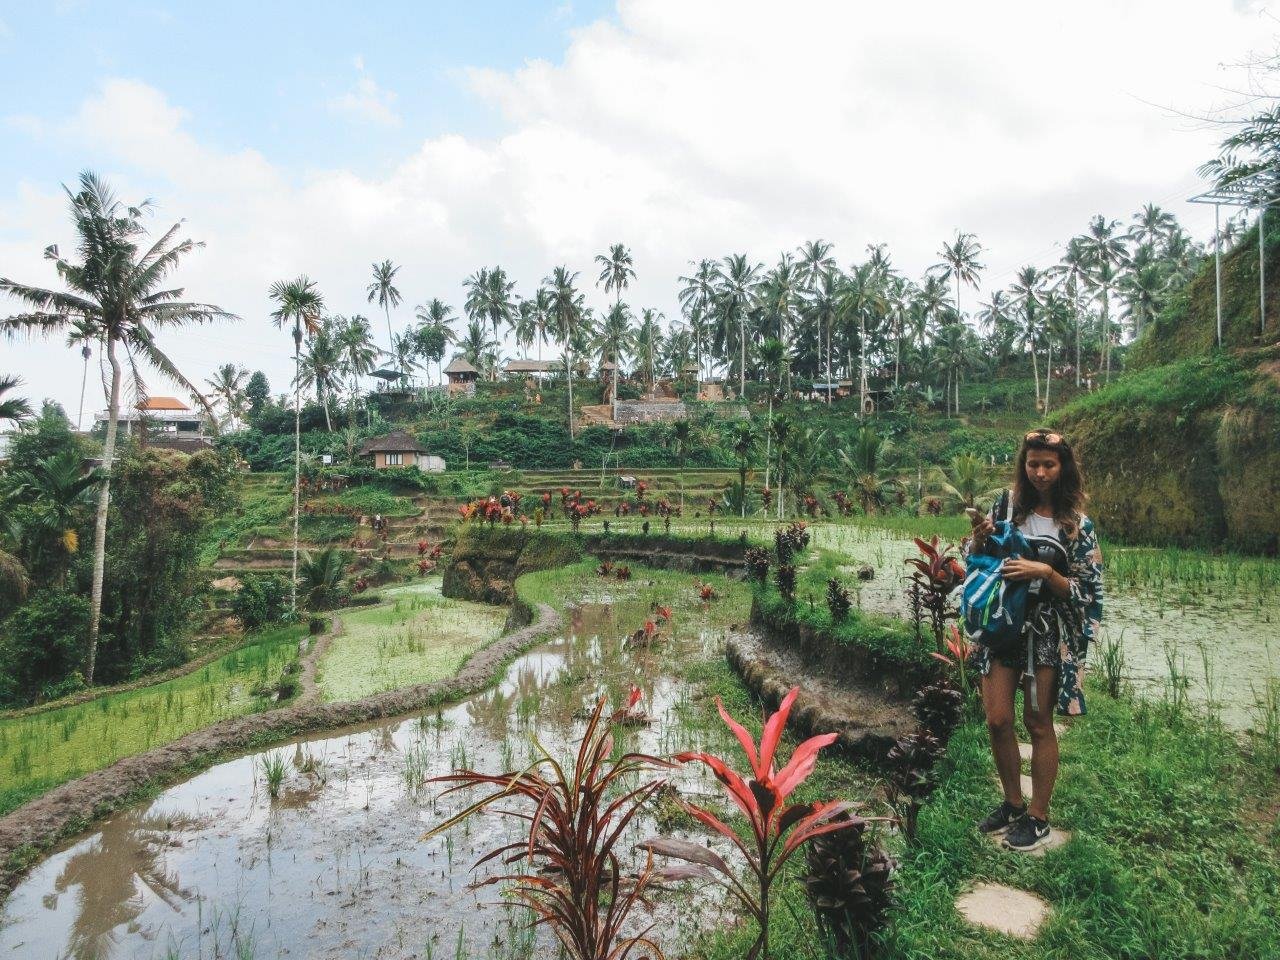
[1038, 526]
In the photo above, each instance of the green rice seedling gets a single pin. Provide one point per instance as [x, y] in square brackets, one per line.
[273, 771]
[415, 763]
[1177, 684]
[1265, 731]
[1111, 659]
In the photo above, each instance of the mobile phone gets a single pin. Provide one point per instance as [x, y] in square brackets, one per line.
[975, 516]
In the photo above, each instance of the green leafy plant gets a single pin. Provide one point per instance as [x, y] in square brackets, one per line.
[838, 600]
[912, 777]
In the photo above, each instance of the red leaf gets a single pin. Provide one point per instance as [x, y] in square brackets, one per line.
[773, 728]
[802, 763]
[744, 738]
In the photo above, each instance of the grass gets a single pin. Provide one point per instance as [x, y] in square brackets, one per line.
[41, 751]
[1174, 853]
[418, 637]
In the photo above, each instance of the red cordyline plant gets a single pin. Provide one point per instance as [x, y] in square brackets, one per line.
[777, 830]
[937, 575]
[575, 817]
[960, 649]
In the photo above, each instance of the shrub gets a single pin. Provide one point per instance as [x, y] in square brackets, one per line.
[785, 576]
[938, 706]
[912, 777]
[43, 644]
[261, 600]
[838, 601]
[757, 560]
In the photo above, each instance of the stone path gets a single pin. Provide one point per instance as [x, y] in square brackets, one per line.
[1006, 910]
[994, 906]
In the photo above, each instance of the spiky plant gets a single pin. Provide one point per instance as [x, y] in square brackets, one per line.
[939, 707]
[838, 601]
[757, 560]
[320, 578]
[850, 887]
[785, 577]
[912, 777]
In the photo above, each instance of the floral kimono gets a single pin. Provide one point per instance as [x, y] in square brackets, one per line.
[1072, 621]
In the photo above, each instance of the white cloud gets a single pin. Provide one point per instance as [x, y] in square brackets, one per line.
[366, 100]
[688, 130]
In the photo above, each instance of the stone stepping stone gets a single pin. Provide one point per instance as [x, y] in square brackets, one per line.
[1057, 838]
[993, 906]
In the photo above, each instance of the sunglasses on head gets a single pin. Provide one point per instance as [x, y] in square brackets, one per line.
[1044, 436]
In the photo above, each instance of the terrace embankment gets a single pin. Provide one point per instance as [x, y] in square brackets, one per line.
[486, 562]
[844, 688]
[69, 808]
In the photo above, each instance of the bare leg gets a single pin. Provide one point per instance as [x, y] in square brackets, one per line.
[1044, 743]
[998, 688]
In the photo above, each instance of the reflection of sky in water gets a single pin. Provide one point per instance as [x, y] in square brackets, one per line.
[337, 868]
[1237, 635]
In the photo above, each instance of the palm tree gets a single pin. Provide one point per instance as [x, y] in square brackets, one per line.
[13, 409]
[490, 298]
[359, 355]
[964, 482]
[744, 443]
[321, 366]
[825, 310]
[1073, 272]
[615, 339]
[898, 296]
[617, 270]
[953, 351]
[773, 356]
[1057, 326]
[681, 432]
[1143, 288]
[815, 260]
[737, 286]
[56, 488]
[865, 462]
[115, 291]
[227, 386]
[696, 298]
[781, 293]
[432, 317]
[862, 299]
[1152, 225]
[1106, 254]
[647, 344]
[477, 345]
[300, 303]
[82, 334]
[321, 577]
[566, 316]
[960, 262]
[383, 290]
[1028, 294]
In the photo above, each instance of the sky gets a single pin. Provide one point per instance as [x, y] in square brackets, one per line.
[311, 138]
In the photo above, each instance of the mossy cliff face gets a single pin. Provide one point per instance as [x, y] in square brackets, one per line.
[1187, 453]
[485, 563]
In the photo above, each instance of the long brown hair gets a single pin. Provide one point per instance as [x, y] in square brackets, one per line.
[1068, 496]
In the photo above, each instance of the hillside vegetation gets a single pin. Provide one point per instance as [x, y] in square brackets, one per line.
[1185, 448]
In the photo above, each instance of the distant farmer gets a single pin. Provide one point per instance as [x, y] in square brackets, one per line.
[1061, 564]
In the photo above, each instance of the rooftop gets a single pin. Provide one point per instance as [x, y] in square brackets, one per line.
[398, 441]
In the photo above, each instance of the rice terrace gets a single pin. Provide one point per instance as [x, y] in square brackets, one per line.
[600, 493]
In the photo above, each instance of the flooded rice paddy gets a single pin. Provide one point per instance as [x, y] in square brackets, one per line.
[335, 867]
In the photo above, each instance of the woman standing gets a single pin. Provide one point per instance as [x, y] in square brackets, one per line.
[1064, 612]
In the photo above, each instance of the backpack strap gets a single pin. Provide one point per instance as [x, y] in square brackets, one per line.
[1004, 507]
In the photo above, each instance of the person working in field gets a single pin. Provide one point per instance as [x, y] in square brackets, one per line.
[1063, 571]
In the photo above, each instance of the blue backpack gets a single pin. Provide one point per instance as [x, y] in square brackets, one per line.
[994, 609]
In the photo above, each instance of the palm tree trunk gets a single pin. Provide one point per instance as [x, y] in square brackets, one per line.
[324, 400]
[1048, 375]
[100, 521]
[84, 377]
[742, 364]
[297, 457]
[897, 355]
[391, 340]
[862, 364]
[568, 353]
[768, 438]
[1035, 369]
[828, 360]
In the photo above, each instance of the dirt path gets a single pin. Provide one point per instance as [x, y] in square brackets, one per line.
[29, 831]
[311, 662]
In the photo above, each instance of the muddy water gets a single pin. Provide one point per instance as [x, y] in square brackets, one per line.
[335, 867]
[1235, 634]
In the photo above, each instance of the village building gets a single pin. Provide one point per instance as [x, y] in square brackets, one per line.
[462, 376]
[399, 449]
[532, 368]
[163, 422]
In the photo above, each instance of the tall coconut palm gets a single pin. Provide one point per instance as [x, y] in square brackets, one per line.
[354, 337]
[781, 294]
[298, 303]
[1028, 295]
[436, 315]
[995, 318]
[647, 344]
[960, 262]
[898, 295]
[773, 358]
[862, 303]
[815, 259]
[1106, 253]
[82, 334]
[116, 290]
[617, 270]
[1073, 274]
[825, 311]
[227, 387]
[737, 288]
[615, 338]
[382, 289]
[1152, 225]
[566, 316]
[477, 345]
[697, 294]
